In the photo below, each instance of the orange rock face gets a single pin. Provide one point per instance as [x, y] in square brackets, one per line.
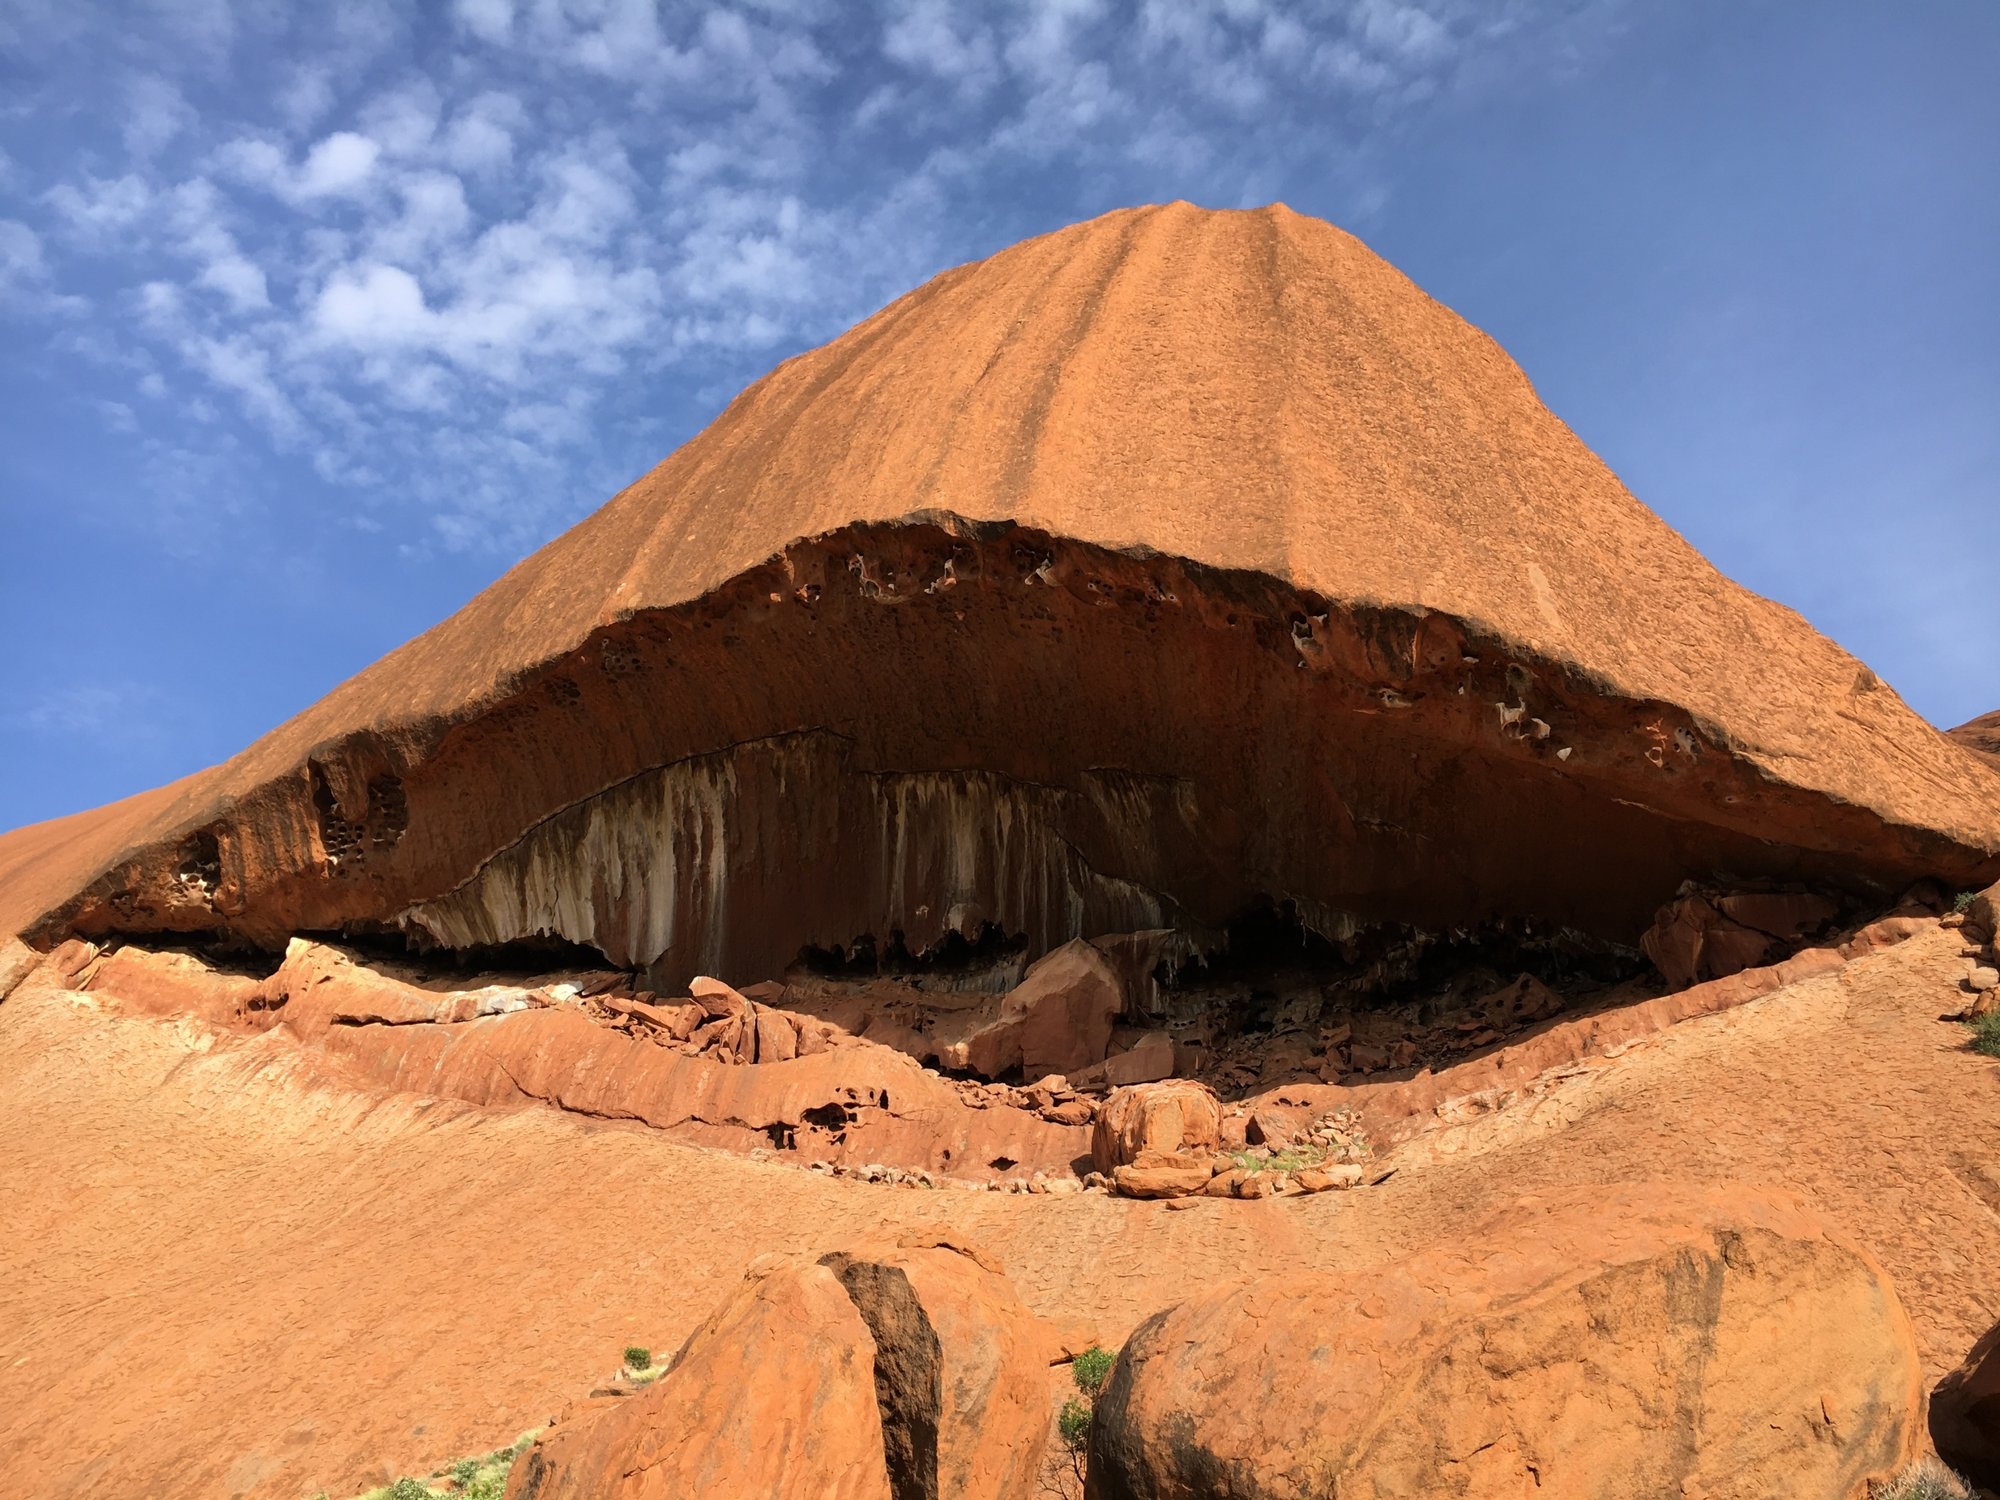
[1165, 563]
[1652, 1340]
[1982, 735]
[1171, 1118]
[901, 1369]
[773, 1395]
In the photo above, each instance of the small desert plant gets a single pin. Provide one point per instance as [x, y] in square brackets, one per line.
[1926, 1479]
[1289, 1159]
[1986, 1034]
[1064, 1476]
[1962, 902]
[1090, 1369]
[407, 1489]
[638, 1357]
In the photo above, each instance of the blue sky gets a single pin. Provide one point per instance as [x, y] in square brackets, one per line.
[312, 325]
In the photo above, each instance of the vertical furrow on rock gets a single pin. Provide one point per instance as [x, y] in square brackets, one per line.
[909, 1370]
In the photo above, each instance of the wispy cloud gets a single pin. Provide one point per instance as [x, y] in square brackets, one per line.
[439, 258]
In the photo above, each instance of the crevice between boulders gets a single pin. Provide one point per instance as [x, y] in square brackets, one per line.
[909, 1370]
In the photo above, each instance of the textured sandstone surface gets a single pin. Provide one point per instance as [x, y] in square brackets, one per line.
[1981, 734]
[1151, 566]
[1655, 1339]
[327, 1285]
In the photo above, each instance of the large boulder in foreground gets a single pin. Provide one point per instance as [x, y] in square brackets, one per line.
[1642, 1341]
[1150, 568]
[898, 1369]
[773, 1395]
[1965, 1413]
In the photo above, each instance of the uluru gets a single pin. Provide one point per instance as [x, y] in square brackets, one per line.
[1144, 822]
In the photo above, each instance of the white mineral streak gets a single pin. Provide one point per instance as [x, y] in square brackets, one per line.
[784, 830]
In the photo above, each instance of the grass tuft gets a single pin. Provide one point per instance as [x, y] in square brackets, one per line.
[1986, 1034]
[1926, 1479]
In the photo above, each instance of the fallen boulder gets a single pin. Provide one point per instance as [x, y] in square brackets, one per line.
[1058, 1019]
[898, 1369]
[1965, 1413]
[1173, 1118]
[1646, 1340]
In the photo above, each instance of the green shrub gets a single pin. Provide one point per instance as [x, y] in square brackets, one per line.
[1926, 1479]
[1090, 1369]
[1073, 1425]
[1986, 1034]
[1962, 902]
[408, 1489]
[638, 1357]
[467, 1469]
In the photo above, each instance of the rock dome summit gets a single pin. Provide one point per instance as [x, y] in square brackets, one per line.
[1172, 567]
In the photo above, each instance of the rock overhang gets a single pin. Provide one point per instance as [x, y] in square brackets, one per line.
[908, 730]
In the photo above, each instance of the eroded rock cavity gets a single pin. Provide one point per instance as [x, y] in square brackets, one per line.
[911, 736]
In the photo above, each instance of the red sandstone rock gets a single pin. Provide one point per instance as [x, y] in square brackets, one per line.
[960, 1367]
[1173, 1118]
[1982, 917]
[899, 1369]
[1982, 737]
[775, 1395]
[1172, 1178]
[318, 986]
[17, 962]
[1030, 475]
[1885, 933]
[1692, 940]
[1784, 914]
[1148, 1060]
[1526, 999]
[1657, 1340]
[1058, 1019]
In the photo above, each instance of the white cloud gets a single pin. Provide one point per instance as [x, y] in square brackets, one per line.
[92, 209]
[341, 164]
[155, 113]
[927, 35]
[371, 306]
[490, 20]
[119, 712]
[402, 121]
[480, 137]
